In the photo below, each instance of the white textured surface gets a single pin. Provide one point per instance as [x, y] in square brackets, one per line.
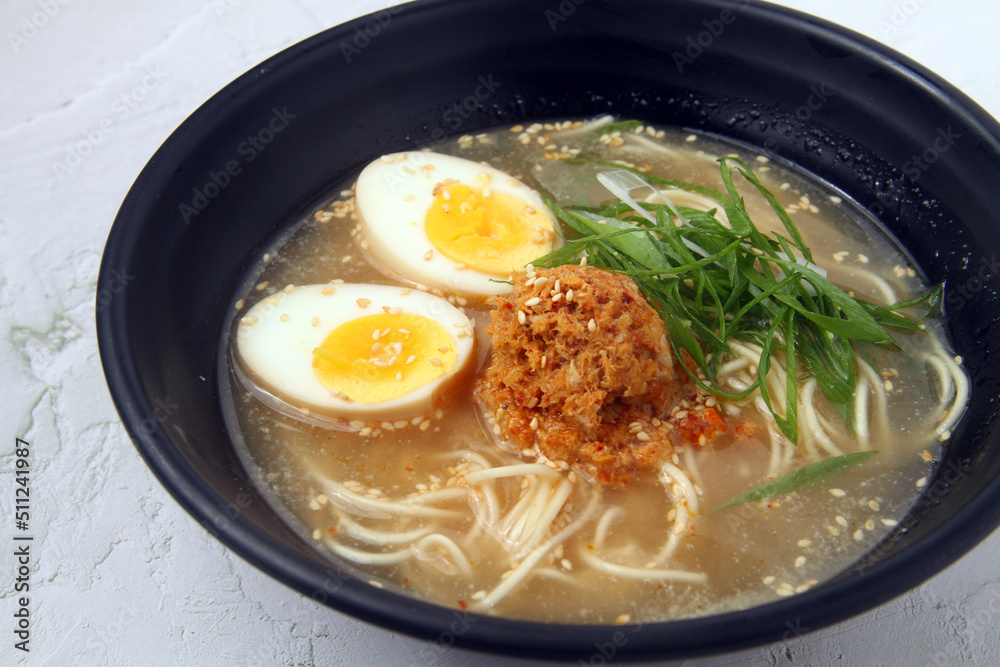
[121, 575]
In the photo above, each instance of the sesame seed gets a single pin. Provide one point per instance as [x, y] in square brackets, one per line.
[533, 301]
[327, 291]
[446, 195]
[838, 493]
[376, 334]
[869, 525]
[399, 376]
[284, 317]
[921, 483]
[891, 523]
[521, 317]
[436, 362]
[841, 520]
[804, 543]
[364, 303]
[260, 287]
[800, 561]
[592, 325]
[534, 423]
[874, 505]
[377, 348]
[642, 436]
[858, 535]
[428, 255]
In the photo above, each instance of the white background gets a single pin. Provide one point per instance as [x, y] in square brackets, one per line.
[121, 575]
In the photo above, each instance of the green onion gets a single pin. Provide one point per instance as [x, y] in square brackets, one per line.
[618, 126]
[711, 284]
[799, 478]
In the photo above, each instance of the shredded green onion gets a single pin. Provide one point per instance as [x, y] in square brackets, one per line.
[800, 478]
[712, 283]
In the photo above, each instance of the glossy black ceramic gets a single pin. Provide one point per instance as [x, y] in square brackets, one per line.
[260, 153]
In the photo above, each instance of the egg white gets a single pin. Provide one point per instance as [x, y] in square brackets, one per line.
[394, 194]
[275, 340]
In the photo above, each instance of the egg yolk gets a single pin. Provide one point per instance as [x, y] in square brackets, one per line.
[378, 358]
[487, 231]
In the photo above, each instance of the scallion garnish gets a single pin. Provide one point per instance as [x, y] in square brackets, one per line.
[713, 283]
[799, 478]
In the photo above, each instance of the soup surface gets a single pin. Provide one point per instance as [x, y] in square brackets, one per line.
[447, 506]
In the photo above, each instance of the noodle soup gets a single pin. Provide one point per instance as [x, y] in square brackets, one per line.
[452, 504]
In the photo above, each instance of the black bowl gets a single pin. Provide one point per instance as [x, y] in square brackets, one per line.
[253, 159]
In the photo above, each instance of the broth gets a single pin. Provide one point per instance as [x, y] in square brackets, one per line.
[625, 559]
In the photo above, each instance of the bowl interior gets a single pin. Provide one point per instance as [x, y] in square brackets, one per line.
[264, 150]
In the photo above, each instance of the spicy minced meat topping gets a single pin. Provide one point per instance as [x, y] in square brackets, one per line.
[582, 369]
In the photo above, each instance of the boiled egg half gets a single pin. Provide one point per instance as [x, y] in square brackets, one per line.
[323, 353]
[450, 223]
